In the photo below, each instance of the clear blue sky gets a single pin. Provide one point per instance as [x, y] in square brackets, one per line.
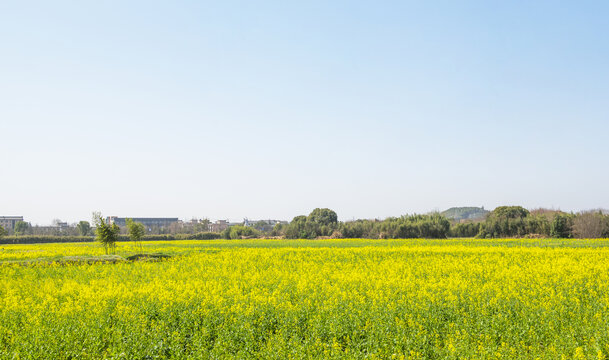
[269, 109]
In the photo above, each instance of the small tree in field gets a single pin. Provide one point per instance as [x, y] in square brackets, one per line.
[136, 231]
[107, 234]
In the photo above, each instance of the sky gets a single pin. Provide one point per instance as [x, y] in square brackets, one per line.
[269, 109]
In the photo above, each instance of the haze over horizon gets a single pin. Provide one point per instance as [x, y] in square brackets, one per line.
[269, 110]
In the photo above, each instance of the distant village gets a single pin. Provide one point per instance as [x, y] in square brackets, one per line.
[160, 225]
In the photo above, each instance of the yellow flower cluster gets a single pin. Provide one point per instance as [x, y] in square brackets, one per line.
[389, 299]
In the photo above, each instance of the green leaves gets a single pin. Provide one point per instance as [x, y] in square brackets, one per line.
[22, 228]
[84, 228]
[107, 234]
[136, 231]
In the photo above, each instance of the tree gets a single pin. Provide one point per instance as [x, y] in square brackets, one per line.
[107, 234]
[297, 229]
[467, 229]
[95, 217]
[505, 221]
[84, 228]
[2, 231]
[590, 225]
[240, 232]
[136, 231]
[202, 226]
[261, 225]
[323, 217]
[320, 222]
[225, 234]
[561, 226]
[21, 228]
[278, 230]
[510, 212]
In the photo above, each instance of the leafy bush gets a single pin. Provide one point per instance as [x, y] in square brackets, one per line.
[469, 229]
[240, 232]
[199, 236]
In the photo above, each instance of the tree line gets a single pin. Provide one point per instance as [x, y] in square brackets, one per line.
[502, 222]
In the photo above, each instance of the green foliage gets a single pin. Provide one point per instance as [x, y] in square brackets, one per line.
[3, 231]
[200, 236]
[202, 226]
[136, 231]
[107, 234]
[260, 225]
[510, 212]
[432, 226]
[360, 229]
[505, 221]
[278, 230]
[515, 221]
[22, 228]
[84, 228]
[320, 222]
[537, 225]
[323, 217]
[241, 232]
[469, 229]
[561, 226]
[225, 234]
[299, 229]
[408, 226]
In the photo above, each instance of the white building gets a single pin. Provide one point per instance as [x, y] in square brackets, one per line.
[8, 222]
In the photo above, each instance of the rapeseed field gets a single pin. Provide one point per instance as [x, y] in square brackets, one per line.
[315, 299]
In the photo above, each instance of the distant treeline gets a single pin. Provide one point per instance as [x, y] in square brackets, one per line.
[503, 222]
[323, 223]
[516, 221]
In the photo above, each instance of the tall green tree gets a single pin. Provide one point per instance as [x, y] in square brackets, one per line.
[136, 231]
[84, 228]
[22, 228]
[2, 231]
[107, 234]
[323, 217]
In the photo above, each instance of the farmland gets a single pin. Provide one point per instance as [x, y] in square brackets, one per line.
[278, 299]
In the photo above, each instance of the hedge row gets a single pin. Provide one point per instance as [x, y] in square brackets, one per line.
[40, 239]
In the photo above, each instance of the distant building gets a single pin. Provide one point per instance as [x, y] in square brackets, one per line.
[248, 222]
[8, 222]
[147, 222]
[61, 225]
[218, 226]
